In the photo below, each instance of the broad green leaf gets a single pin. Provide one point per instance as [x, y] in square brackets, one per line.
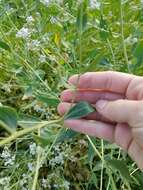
[120, 166]
[82, 16]
[48, 101]
[81, 109]
[66, 134]
[44, 141]
[138, 52]
[139, 177]
[8, 118]
[5, 46]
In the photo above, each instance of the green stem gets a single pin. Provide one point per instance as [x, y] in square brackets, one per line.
[93, 146]
[112, 52]
[26, 131]
[37, 167]
[102, 167]
[122, 35]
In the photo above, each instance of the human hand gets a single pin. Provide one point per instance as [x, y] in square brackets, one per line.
[119, 116]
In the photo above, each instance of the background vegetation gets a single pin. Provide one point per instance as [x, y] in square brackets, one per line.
[42, 43]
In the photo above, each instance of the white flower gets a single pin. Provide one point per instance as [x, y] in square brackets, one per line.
[4, 181]
[23, 33]
[44, 183]
[33, 45]
[53, 20]
[29, 19]
[42, 58]
[7, 88]
[130, 40]
[30, 166]
[57, 160]
[39, 109]
[32, 148]
[46, 2]
[83, 142]
[55, 186]
[66, 185]
[95, 4]
[8, 158]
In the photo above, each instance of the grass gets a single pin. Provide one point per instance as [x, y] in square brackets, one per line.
[56, 41]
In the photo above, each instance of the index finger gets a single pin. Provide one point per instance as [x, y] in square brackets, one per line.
[114, 81]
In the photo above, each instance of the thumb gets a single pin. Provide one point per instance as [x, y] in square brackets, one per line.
[123, 111]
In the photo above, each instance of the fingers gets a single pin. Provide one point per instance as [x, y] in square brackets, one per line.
[138, 135]
[92, 128]
[115, 81]
[127, 111]
[91, 97]
[136, 152]
[120, 134]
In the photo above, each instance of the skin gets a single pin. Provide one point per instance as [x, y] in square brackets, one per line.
[119, 116]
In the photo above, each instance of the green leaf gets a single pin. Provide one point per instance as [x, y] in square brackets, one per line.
[48, 101]
[66, 134]
[5, 46]
[82, 16]
[138, 52]
[8, 118]
[44, 141]
[104, 33]
[120, 166]
[91, 152]
[81, 109]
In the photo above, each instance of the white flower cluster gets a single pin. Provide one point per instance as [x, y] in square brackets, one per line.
[33, 148]
[53, 20]
[95, 4]
[45, 183]
[60, 184]
[66, 185]
[23, 33]
[46, 2]
[30, 166]
[4, 183]
[7, 157]
[30, 19]
[42, 58]
[39, 109]
[24, 181]
[131, 40]
[33, 45]
[57, 160]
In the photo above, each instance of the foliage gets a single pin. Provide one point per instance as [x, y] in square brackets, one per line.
[42, 43]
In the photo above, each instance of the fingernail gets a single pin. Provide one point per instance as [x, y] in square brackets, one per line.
[101, 104]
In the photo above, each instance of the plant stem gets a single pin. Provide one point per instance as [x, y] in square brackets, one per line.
[112, 52]
[93, 146]
[101, 176]
[122, 35]
[37, 167]
[27, 130]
